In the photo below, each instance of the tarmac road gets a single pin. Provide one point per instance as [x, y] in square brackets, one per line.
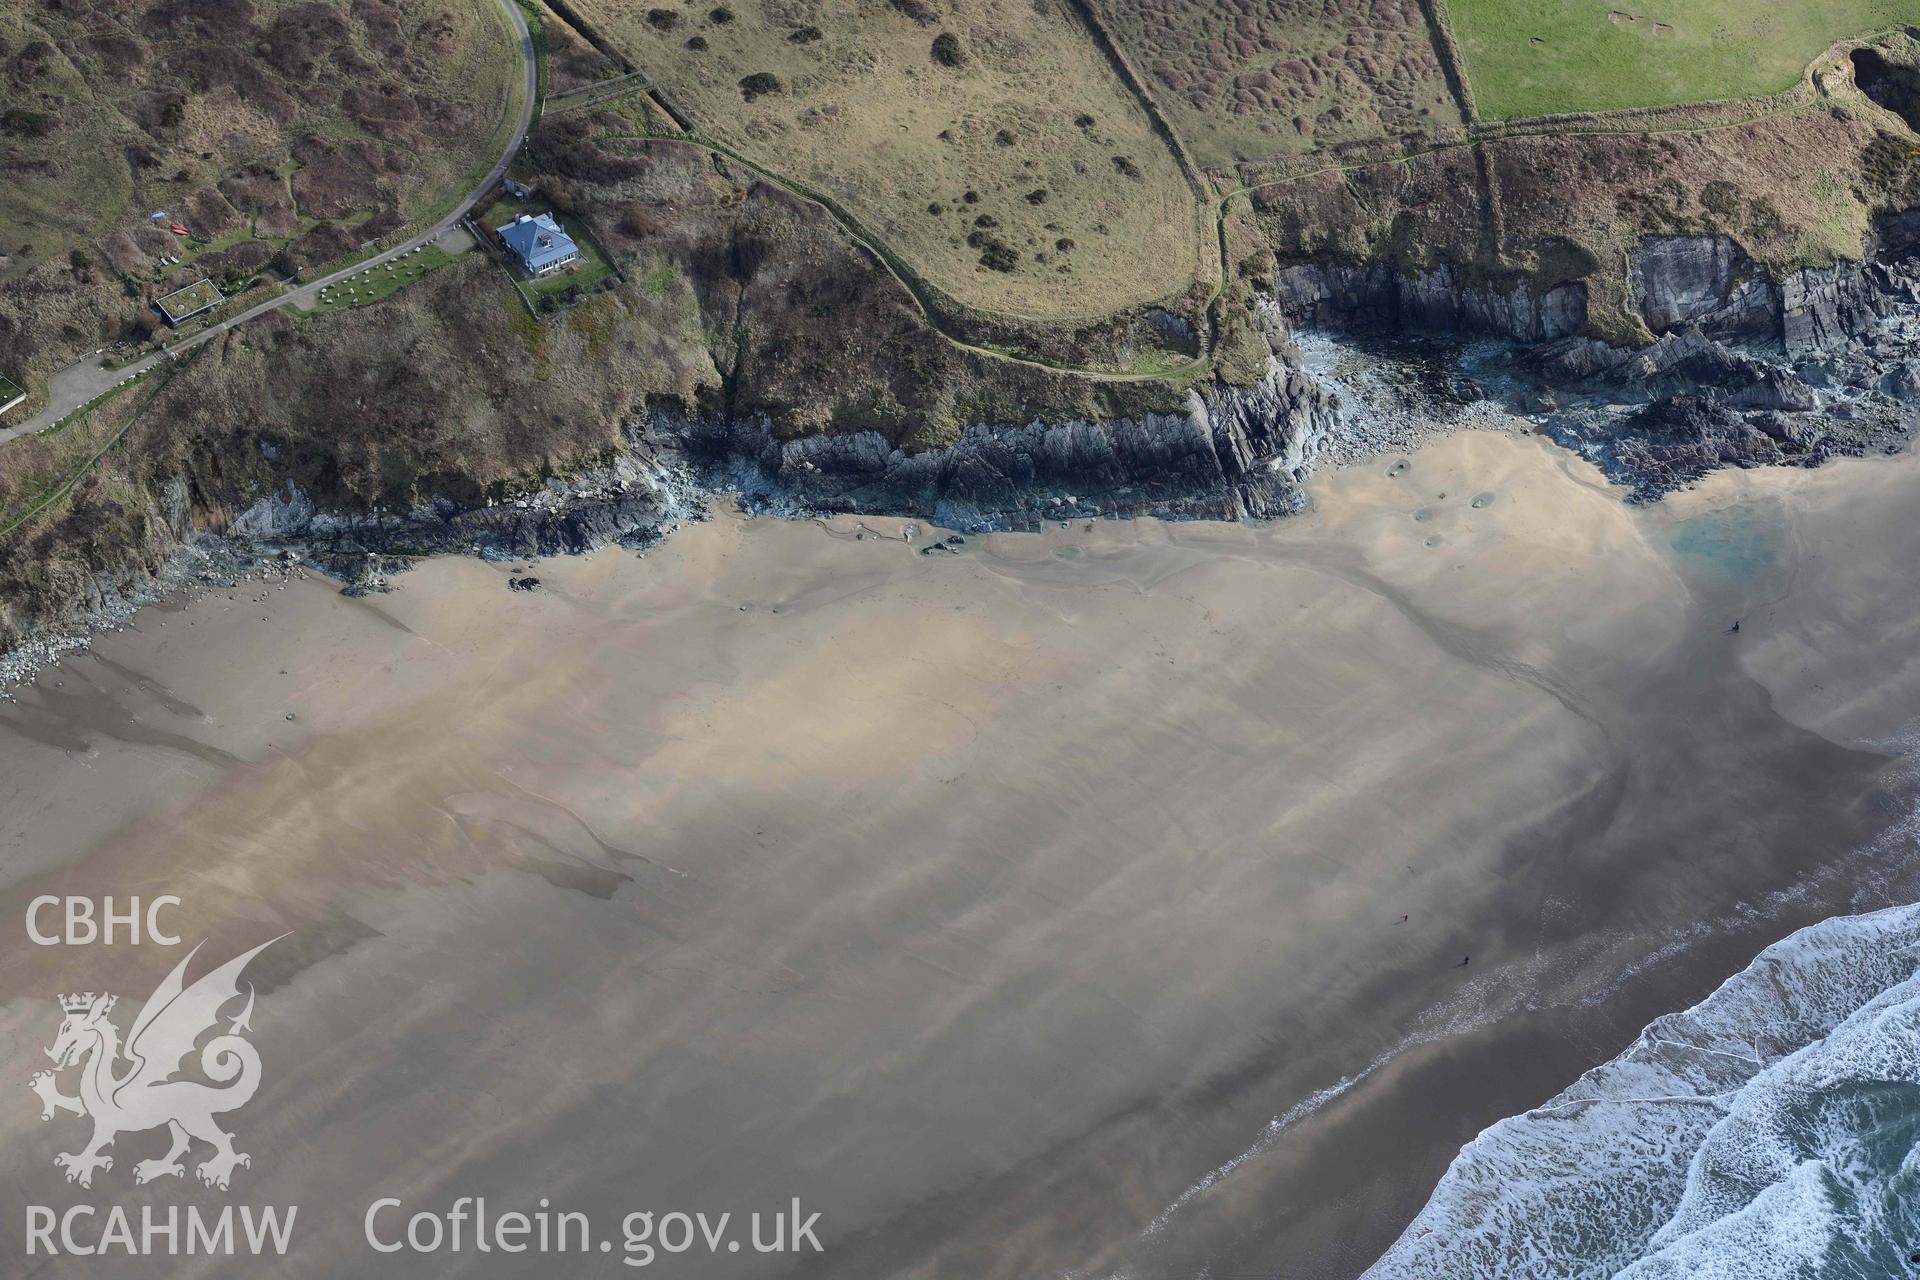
[83, 381]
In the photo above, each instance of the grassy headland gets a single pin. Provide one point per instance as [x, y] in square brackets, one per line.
[987, 142]
[1545, 57]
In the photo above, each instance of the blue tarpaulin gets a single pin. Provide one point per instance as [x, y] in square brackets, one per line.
[155, 217]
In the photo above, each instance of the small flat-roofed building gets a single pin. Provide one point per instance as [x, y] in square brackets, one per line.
[542, 247]
[184, 304]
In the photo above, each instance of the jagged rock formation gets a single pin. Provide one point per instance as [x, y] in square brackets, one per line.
[1703, 282]
[1707, 282]
[1236, 452]
[631, 501]
[1744, 370]
[1710, 283]
[1437, 301]
[1681, 363]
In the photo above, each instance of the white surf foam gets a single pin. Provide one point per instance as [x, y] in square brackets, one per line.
[1669, 1159]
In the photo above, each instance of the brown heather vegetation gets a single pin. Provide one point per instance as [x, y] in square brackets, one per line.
[739, 300]
[572, 63]
[1246, 80]
[743, 301]
[263, 125]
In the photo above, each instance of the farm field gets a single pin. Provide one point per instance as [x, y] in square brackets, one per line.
[1249, 80]
[375, 283]
[1542, 57]
[985, 142]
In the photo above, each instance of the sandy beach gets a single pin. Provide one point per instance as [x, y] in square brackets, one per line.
[1033, 910]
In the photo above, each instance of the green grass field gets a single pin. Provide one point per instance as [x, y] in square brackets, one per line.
[376, 283]
[1543, 57]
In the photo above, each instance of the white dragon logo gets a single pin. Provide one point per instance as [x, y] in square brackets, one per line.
[145, 1095]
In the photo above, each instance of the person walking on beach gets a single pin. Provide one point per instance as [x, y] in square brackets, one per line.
[1465, 961]
[1403, 920]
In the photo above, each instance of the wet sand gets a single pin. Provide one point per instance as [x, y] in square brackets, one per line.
[987, 903]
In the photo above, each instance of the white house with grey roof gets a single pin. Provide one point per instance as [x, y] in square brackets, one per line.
[542, 247]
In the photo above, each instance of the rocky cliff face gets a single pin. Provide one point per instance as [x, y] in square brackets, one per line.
[140, 551]
[1839, 328]
[633, 500]
[1744, 370]
[1708, 283]
[1332, 296]
[1236, 452]
[1824, 310]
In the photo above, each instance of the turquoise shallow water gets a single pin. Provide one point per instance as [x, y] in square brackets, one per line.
[1769, 1131]
[1735, 546]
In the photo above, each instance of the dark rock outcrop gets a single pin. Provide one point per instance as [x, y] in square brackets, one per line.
[1236, 453]
[1744, 370]
[629, 503]
[1710, 284]
[1661, 417]
[1674, 442]
[1824, 309]
[1439, 301]
[1702, 282]
[1239, 452]
[1707, 282]
[1678, 364]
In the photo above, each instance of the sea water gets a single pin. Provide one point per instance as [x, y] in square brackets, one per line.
[1736, 545]
[1768, 1131]
[1771, 1130]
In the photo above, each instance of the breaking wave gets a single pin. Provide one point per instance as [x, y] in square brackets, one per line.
[1770, 1130]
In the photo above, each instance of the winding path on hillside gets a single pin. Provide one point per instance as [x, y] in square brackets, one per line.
[1215, 197]
[78, 385]
[82, 383]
